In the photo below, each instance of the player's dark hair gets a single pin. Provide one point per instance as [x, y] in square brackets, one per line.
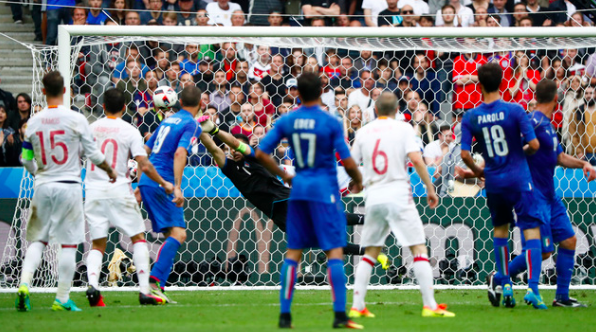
[190, 96]
[241, 137]
[309, 87]
[490, 76]
[386, 104]
[546, 90]
[53, 82]
[444, 127]
[113, 101]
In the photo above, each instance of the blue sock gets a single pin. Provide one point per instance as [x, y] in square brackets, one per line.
[288, 280]
[337, 280]
[518, 264]
[165, 260]
[502, 260]
[565, 263]
[534, 262]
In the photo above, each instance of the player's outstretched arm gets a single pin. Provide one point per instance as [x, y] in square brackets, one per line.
[214, 150]
[420, 166]
[147, 167]
[532, 147]
[467, 158]
[566, 160]
[179, 163]
[27, 158]
[267, 161]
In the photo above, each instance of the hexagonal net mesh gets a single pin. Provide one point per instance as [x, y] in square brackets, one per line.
[249, 82]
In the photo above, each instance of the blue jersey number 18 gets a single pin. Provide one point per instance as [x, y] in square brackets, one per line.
[496, 142]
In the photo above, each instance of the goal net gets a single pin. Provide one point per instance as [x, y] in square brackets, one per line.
[248, 79]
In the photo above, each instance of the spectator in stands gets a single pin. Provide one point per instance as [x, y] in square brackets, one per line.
[238, 18]
[263, 109]
[242, 76]
[274, 19]
[390, 16]
[171, 78]
[185, 16]
[320, 8]
[537, 13]
[577, 20]
[155, 13]
[57, 12]
[261, 67]
[519, 12]
[493, 21]
[118, 11]
[420, 7]
[424, 81]
[422, 120]
[572, 100]
[353, 122]
[170, 19]
[10, 144]
[437, 149]
[96, 15]
[132, 18]
[286, 106]
[447, 16]
[410, 20]
[274, 82]
[312, 66]
[570, 62]
[477, 4]
[346, 79]
[481, 17]
[186, 80]
[328, 95]
[190, 64]
[555, 71]
[204, 77]
[369, 114]
[22, 112]
[162, 63]
[258, 133]
[343, 21]
[365, 61]
[372, 10]
[465, 78]
[562, 9]
[464, 15]
[317, 22]
[499, 8]
[220, 12]
[523, 82]
[79, 15]
[133, 84]
[383, 74]
[231, 114]
[17, 12]
[120, 72]
[144, 99]
[582, 129]
[214, 115]
[362, 97]
[219, 97]
[340, 104]
[427, 21]
[230, 62]
[247, 123]
[202, 19]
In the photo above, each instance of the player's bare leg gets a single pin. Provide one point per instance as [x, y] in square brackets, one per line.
[175, 236]
[94, 261]
[363, 273]
[30, 264]
[534, 263]
[337, 279]
[66, 268]
[565, 262]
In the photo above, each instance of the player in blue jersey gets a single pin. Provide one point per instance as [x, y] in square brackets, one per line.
[315, 213]
[542, 164]
[498, 128]
[168, 149]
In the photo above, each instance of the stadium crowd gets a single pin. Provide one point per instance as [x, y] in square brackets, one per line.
[246, 88]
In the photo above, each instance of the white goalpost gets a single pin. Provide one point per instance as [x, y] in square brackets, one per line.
[232, 245]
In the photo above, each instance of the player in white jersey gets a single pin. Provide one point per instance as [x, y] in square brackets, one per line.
[384, 146]
[115, 204]
[54, 140]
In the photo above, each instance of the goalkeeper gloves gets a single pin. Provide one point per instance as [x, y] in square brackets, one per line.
[207, 125]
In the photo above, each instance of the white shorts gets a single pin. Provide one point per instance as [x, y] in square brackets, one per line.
[121, 212]
[403, 220]
[57, 214]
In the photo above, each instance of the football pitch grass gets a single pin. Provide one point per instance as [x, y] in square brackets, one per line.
[258, 310]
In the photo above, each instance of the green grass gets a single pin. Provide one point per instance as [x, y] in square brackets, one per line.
[244, 311]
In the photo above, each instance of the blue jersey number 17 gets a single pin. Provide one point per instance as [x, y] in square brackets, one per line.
[312, 142]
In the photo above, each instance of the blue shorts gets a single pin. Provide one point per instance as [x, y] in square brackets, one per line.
[528, 211]
[558, 225]
[161, 210]
[315, 225]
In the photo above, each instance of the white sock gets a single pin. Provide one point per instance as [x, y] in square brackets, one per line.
[94, 260]
[140, 257]
[31, 262]
[363, 273]
[424, 274]
[66, 269]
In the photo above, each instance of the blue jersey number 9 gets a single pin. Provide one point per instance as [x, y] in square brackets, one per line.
[496, 142]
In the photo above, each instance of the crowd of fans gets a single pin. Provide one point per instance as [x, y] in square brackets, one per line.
[247, 87]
